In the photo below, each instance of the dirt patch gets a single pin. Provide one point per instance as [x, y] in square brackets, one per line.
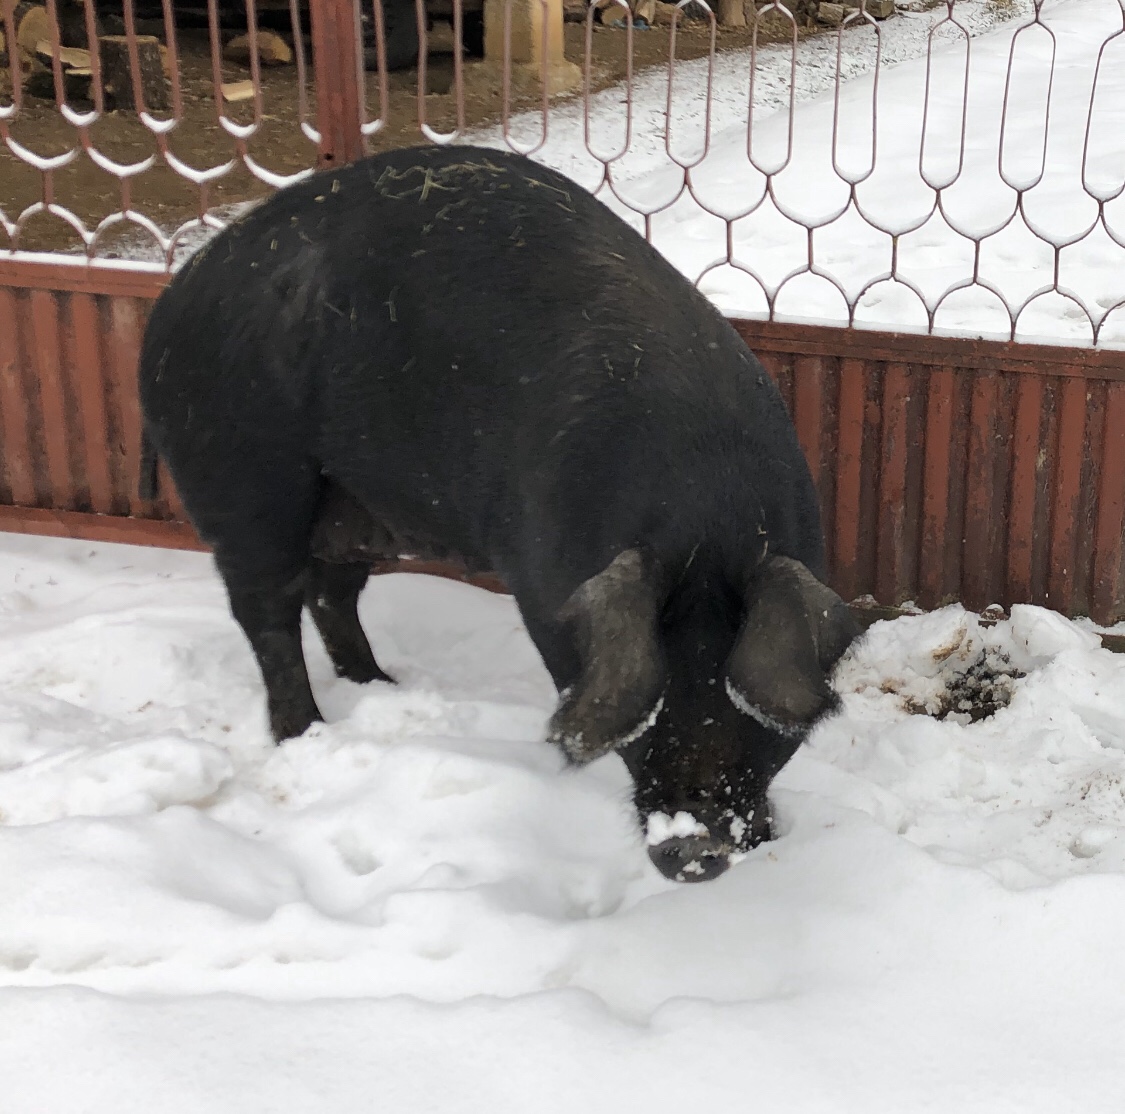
[200, 141]
[973, 694]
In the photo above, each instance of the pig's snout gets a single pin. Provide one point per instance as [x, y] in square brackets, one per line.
[691, 858]
[684, 849]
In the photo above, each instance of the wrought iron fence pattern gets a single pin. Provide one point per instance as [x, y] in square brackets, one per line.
[974, 190]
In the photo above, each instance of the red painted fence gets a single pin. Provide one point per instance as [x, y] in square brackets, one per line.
[947, 468]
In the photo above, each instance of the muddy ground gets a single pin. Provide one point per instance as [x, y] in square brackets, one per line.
[198, 140]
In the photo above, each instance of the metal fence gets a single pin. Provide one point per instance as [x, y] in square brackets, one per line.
[976, 190]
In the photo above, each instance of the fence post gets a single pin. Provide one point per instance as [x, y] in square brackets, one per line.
[337, 72]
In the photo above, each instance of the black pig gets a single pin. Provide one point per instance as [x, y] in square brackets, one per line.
[455, 352]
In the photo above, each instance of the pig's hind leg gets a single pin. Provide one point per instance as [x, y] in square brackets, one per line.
[260, 534]
[346, 541]
[332, 597]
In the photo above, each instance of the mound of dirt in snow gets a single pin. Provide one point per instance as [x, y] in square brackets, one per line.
[947, 666]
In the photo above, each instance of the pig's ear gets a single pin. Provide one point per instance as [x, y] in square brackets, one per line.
[614, 617]
[795, 631]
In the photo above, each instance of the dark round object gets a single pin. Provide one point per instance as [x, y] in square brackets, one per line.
[691, 859]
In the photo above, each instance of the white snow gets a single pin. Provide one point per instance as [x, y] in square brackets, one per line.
[944, 193]
[660, 826]
[418, 907]
[939, 156]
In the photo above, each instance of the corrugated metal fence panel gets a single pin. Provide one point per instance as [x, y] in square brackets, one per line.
[69, 414]
[947, 469]
[951, 469]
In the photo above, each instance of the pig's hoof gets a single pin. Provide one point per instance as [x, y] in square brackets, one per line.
[363, 673]
[286, 723]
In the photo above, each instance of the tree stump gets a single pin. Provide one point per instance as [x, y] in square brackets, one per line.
[117, 76]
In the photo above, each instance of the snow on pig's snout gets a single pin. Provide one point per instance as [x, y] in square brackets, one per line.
[702, 794]
[734, 711]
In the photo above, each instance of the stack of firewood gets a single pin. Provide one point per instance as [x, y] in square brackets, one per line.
[36, 35]
[34, 47]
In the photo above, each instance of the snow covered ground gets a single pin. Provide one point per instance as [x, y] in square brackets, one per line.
[981, 128]
[415, 908]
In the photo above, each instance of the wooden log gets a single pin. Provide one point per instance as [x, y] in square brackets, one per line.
[40, 80]
[234, 91]
[76, 83]
[72, 57]
[117, 76]
[273, 50]
[32, 25]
